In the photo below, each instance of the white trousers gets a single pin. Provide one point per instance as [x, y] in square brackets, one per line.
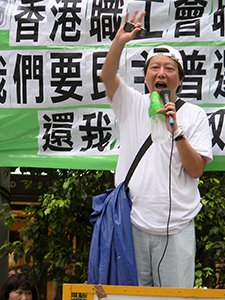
[177, 268]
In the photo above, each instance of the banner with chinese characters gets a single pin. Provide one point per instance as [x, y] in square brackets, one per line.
[53, 107]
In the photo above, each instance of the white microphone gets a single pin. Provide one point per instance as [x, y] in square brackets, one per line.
[165, 95]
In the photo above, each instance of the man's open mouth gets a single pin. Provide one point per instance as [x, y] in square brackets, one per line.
[160, 85]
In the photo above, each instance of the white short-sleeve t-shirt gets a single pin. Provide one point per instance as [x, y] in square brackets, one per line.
[149, 185]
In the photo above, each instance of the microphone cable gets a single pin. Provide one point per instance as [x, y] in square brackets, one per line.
[170, 209]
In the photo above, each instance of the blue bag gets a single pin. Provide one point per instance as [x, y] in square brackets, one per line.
[111, 257]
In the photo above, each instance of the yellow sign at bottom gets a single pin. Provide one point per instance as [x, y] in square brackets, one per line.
[109, 292]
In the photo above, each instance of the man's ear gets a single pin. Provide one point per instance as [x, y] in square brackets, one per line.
[181, 82]
[179, 88]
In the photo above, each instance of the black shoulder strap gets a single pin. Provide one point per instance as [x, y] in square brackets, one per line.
[137, 158]
[179, 103]
[144, 148]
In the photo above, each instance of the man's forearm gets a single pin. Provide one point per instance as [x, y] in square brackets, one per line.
[192, 161]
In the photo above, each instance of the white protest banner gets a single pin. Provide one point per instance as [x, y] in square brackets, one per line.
[53, 107]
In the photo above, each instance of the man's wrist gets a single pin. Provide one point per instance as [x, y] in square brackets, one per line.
[177, 132]
[180, 137]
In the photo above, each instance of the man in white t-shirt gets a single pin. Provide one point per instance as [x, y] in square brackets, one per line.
[162, 218]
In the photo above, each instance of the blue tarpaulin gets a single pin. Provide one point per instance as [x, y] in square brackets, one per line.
[112, 258]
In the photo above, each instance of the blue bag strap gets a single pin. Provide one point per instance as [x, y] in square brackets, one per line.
[143, 149]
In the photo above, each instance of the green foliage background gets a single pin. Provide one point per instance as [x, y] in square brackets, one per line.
[62, 219]
[210, 231]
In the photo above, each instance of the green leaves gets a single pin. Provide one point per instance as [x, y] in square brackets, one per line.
[210, 231]
[8, 217]
[58, 228]
[201, 274]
